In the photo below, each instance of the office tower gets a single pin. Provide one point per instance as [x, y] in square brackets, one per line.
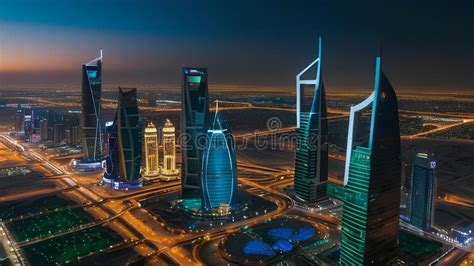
[169, 150]
[372, 188]
[219, 167]
[125, 144]
[19, 121]
[44, 132]
[311, 158]
[194, 116]
[28, 123]
[59, 133]
[72, 126]
[422, 192]
[152, 162]
[91, 109]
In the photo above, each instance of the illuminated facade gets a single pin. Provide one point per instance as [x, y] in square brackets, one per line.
[91, 110]
[311, 159]
[169, 150]
[370, 218]
[194, 116]
[125, 144]
[152, 162]
[19, 121]
[219, 167]
[422, 192]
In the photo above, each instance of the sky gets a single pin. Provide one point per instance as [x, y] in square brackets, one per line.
[425, 45]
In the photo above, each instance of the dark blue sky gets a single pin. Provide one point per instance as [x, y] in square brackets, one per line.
[425, 44]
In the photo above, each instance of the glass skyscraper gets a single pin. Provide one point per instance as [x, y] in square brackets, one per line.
[194, 116]
[422, 194]
[311, 159]
[125, 144]
[370, 218]
[219, 167]
[91, 109]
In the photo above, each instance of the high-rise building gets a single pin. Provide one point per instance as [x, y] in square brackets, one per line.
[219, 167]
[72, 126]
[19, 121]
[169, 150]
[44, 132]
[28, 123]
[422, 193]
[59, 132]
[91, 110]
[125, 144]
[152, 163]
[311, 159]
[194, 116]
[370, 217]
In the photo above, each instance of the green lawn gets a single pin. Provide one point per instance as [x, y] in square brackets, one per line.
[26, 207]
[414, 248]
[47, 224]
[71, 246]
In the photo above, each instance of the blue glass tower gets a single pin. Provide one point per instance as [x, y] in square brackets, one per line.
[311, 157]
[370, 217]
[91, 110]
[422, 192]
[219, 167]
[125, 144]
[194, 117]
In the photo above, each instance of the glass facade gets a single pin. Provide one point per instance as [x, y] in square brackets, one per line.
[370, 218]
[125, 144]
[422, 192]
[194, 116]
[219, 168]
[311, 159]
[91, 110]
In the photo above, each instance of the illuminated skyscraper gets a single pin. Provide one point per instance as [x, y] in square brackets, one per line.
[169, 150]
[422, 192]
[311, 159]
[219, 167]
[372, 185]
[19, 121]
[194, 116]
[44, 133]
[125, 144]
[152, 162]
[91, 109]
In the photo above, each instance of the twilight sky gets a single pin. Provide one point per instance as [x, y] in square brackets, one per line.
[425, 44]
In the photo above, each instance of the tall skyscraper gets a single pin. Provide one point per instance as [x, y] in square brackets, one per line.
[194, 116]
[169, 150]
[219, 167]
[125, 144]
[59, 132]
[19, 121]
[44, 132]
[372, 191]
[152, 163]
[311, 159]
[91, 110]
[422, 192]
[28, 123]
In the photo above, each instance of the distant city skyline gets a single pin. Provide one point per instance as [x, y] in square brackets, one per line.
[426, 47]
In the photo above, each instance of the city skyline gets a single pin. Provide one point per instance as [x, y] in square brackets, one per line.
[221, 133]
